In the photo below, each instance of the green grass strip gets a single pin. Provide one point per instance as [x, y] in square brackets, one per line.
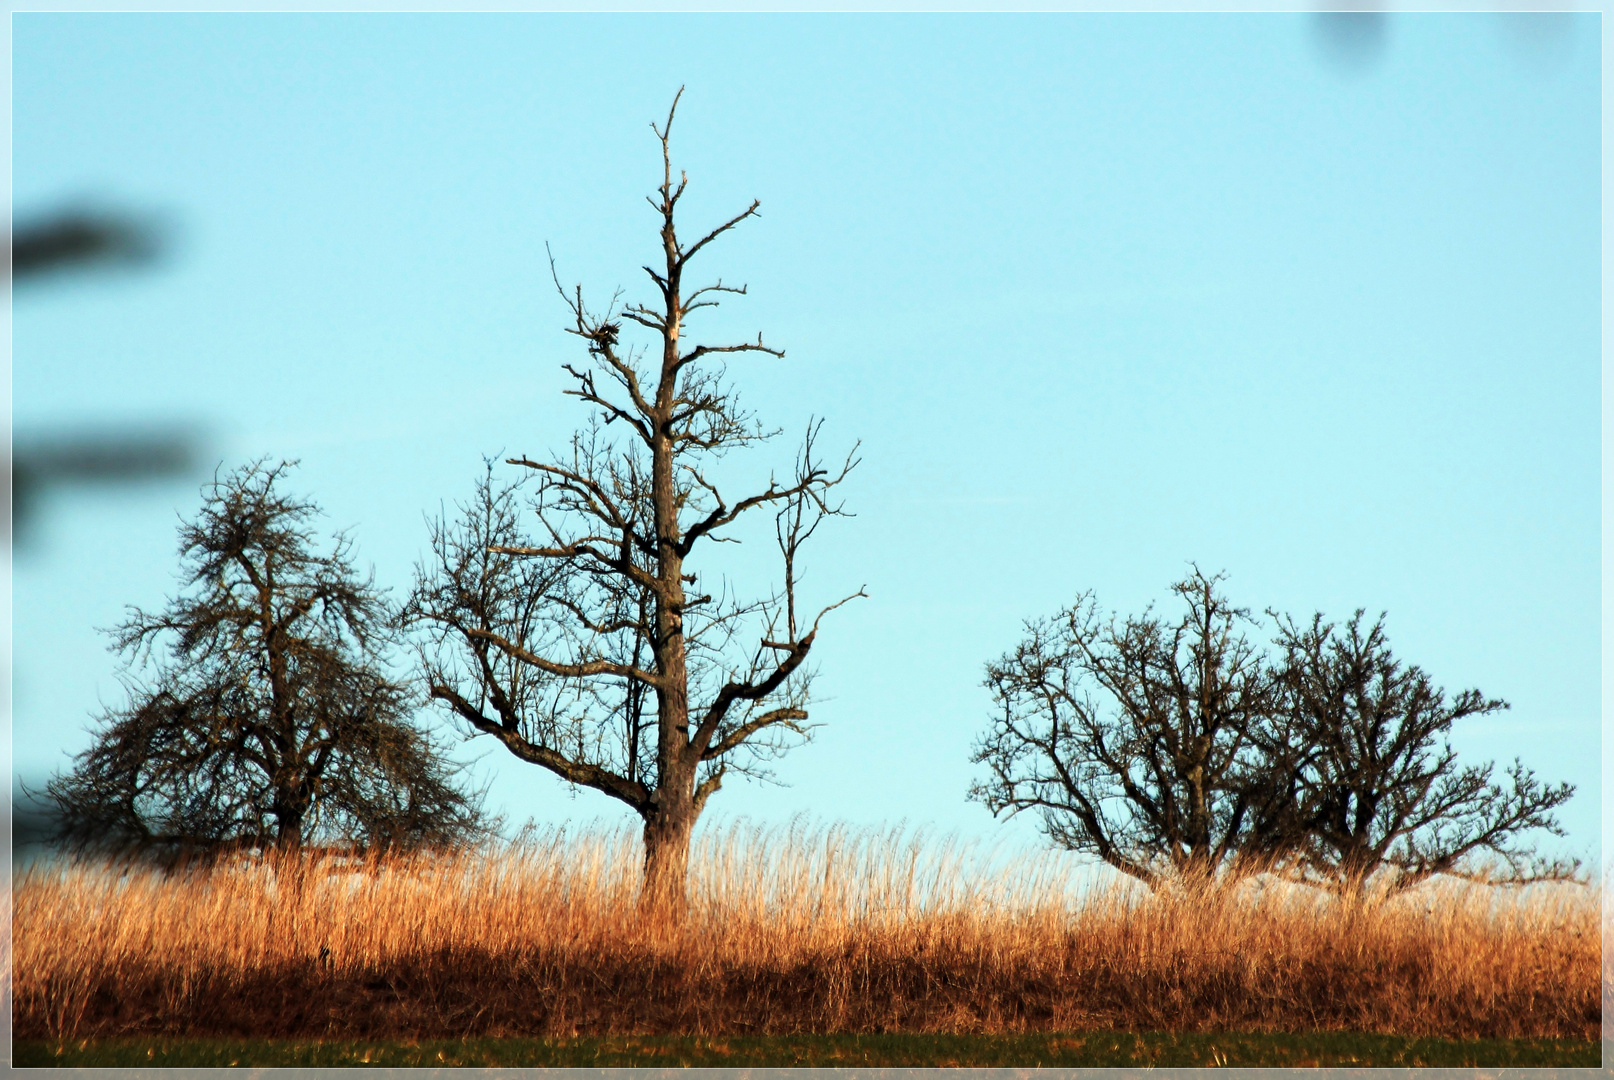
[1078, 1050]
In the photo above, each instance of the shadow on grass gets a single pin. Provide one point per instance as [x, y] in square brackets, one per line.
[1075, 1050]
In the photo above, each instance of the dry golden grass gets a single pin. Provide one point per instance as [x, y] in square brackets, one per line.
[800, 929]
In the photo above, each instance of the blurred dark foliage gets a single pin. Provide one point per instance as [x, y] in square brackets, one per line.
[1352, 41]
[104, 457]
[76, 239]
[34, 820]
[47, 247]
[1543, 41]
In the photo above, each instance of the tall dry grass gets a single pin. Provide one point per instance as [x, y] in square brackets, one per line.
[804, 928]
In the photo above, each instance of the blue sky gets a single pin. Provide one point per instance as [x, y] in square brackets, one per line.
[1100, 295]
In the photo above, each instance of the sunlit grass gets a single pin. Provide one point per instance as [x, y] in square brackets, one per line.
[798, 929]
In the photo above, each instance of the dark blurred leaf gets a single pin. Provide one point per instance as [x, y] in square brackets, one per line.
[1352, 41]
[106, 457]
[79, 238]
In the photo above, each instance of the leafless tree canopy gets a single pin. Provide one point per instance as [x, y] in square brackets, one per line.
[561, 612]
[1380, 786]
[1131, 736]
[1183, 751]
[259, 711]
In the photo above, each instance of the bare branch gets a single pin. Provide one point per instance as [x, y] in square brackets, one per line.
[750, 211]
[552, 667]
[631, 792]
[708, 350]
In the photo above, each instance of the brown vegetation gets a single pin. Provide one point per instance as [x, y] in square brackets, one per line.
[799, 930]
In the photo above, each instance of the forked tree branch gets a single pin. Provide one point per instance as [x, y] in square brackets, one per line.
[631, 792]
[582, 670]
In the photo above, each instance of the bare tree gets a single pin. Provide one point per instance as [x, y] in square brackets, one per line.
[1380, 790]
[589, 649]
[268, 718]
[1183, 751]
[1130, 738]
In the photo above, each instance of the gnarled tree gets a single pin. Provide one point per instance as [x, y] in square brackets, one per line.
[587, 647]
[1130, 737]
[1381, 795]
[268, 718]
[1183, 751]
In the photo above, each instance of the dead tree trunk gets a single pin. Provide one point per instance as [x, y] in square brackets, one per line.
[553, 644]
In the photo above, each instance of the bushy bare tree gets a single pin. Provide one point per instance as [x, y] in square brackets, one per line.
[1184, 751]
[588, 648]
[1131, 737]
[1381, 795]
[264, 716]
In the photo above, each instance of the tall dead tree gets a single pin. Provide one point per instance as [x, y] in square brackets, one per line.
[588, 648]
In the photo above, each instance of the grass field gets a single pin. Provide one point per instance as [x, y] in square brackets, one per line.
[806, 929]
[1089, 1050]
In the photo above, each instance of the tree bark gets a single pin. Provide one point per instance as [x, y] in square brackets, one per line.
[288, 828]
[664, 896]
